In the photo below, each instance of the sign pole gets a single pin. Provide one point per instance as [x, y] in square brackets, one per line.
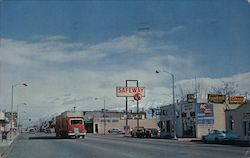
[137, 84]
[126, 130]
[136, 92]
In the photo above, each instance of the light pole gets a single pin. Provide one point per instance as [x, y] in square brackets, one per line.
[174, 117]
[12, 96]
[18, 115]
[104, 114]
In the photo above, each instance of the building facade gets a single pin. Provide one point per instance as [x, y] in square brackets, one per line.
[99, 122]
[166, 122]
[192, 119]
[238, 120]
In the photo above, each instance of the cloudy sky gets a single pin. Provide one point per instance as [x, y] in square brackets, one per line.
[70, 53]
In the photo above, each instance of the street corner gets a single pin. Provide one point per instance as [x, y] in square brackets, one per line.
[5, 145]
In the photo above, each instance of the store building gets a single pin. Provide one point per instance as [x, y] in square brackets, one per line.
[14, 122]
[188, 119]
[166, 122]
[3, 121]
[199, 118]
[238, 120]
[99, 122]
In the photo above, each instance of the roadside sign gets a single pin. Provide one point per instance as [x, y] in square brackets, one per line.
[134, 116]
[191, 98]
[237, 99]
[130, 91]
[137, 96]
[216, 98]
[205, 113]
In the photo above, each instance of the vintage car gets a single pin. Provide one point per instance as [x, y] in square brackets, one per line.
[217, 136]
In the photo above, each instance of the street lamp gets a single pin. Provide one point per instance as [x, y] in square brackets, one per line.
[174, 117]
[18, 115]
[12, 96]
[104, 114]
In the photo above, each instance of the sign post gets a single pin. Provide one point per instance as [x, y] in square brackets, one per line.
[136, 92]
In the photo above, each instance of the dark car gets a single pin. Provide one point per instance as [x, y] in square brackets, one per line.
[137, 132]
[115, 131]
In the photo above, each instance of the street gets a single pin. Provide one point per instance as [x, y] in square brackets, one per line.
[41, 145]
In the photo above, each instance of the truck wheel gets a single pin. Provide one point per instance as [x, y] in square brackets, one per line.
[82, 137]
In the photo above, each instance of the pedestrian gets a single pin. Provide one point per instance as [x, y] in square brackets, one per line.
[4, 135]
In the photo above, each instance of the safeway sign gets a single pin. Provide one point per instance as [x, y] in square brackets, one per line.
[130, 91]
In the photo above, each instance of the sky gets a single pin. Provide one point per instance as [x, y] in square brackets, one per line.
[72, 52]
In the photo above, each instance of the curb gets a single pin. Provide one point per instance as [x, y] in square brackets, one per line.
[9, 147]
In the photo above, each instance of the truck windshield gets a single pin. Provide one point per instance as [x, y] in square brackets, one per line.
[76, 122]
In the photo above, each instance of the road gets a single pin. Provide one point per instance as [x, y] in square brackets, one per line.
[112, 146]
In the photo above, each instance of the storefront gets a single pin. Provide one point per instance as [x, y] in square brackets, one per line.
[238, 120]
[188, 119]
[166, 123]
[198, 119]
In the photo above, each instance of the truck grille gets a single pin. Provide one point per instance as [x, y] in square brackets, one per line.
[76, 130]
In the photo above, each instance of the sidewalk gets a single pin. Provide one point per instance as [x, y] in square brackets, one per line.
[5, 144]
[171, 138]
[189, 139]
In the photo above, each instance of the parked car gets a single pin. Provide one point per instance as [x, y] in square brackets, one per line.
[138, 132]
[148, 132]
[115, 131]
[217, 136]
[154, 131]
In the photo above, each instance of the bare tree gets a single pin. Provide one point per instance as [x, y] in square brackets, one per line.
[182, 94]
[228, 88]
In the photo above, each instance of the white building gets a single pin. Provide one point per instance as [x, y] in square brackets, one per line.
[192, 119]
[166, 123]
[95, 121]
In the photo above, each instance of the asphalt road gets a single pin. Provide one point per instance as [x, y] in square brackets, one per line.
[112, 146]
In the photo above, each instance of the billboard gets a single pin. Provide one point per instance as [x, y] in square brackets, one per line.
[130, 91]
[205, 113]
[133, 116]
[236, 99]
[191, 98]
[216, 98]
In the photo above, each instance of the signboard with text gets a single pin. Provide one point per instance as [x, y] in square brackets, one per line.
[130, 91]
[191, 98]
[205, 113]
[216, 98]
[236, 99]
[133, 116]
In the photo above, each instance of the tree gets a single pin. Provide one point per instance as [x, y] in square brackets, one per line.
[227, 88]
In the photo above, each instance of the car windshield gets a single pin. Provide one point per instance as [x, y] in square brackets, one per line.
[124, 78]
[114, 129]
[76, 122]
